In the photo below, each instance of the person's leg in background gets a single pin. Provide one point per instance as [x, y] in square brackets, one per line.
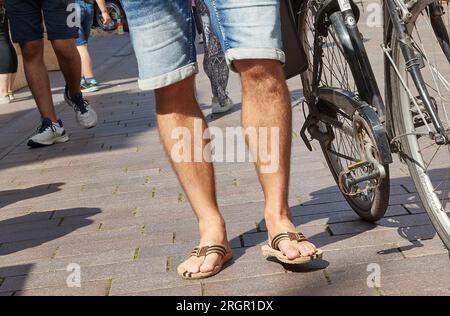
[4, 98]
[29, 36]
[37, 77]
[88, 81]
[70, 62]
[26, 28]
[14, 66]
[82, 45]
[11, 81]
[214, 62]
[62, 37]
[51, 130]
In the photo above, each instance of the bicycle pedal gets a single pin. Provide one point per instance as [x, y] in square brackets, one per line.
[357, 164]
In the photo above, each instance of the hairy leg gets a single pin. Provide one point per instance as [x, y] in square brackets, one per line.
[177, 108]
[267, 104]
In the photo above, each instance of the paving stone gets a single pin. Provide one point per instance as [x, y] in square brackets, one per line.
[425, 284]
[372, 238]
[151, 282]
[97, 288]
[422, 248]
[12, 254]
[342, 289]
[15, 270]
[397, 222]
[248, 286]
[76, 249]
[188, 290]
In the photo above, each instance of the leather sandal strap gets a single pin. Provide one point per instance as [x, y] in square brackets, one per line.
[194, 252]
[298, 237]
[207, 250]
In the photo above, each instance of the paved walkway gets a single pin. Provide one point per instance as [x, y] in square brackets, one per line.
[109, 202]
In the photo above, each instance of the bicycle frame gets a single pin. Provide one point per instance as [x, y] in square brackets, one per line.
[395, 22]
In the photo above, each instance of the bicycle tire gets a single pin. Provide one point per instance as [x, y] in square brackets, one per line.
[374, 209]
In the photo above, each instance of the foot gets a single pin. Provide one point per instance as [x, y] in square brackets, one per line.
[221, 107]
[4, 100]
[85, 115]
[48, 134]
[89, 85]
[291, 250]
[214, 235]
[11, 96]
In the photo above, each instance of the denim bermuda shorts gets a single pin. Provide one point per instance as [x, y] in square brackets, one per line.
[163, 35]
[86, 20]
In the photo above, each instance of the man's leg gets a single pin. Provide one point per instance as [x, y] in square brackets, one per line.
[84, 31]
[177, 107]
[87, 68]
[266, 103]
[4, 85]
[37, 77]
[70, 62]
[163, 43]
[11, 80]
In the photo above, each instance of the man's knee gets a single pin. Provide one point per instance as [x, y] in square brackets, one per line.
[65, 48]
[177, 97]
[32, 51]
[265, 73]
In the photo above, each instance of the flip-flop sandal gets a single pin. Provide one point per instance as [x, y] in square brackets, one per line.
[295, 238]
[204, 252]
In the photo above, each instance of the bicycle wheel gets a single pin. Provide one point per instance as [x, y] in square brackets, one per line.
[428, 161]
[344, 152]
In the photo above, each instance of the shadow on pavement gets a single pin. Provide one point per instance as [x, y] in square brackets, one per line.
[35, 229]
[12, 196]
[17, 280]
[409, 230]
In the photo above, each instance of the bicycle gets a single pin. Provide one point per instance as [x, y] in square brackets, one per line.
[356, 131]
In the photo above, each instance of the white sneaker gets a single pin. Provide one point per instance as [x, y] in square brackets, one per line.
[48, 134]
[12, 97]
[221, 108]
[85, 115]
[4, 100]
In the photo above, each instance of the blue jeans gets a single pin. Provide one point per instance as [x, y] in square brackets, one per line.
[163, 35]
[86, 21]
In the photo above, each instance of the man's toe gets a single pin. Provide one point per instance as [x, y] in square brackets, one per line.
[192, 266]
[209, 264]
[289, 250]
[306, 249]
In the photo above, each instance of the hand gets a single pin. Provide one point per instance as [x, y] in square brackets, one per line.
[106, 17]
